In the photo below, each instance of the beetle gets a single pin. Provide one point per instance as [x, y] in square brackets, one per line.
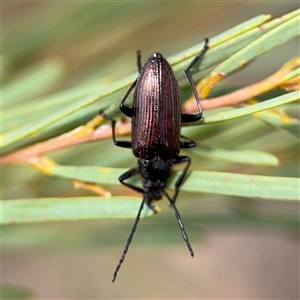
[156, 118]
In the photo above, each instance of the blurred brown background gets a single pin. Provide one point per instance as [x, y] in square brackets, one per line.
[235, 258]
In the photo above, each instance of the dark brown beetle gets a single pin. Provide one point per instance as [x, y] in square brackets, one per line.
[156, 121]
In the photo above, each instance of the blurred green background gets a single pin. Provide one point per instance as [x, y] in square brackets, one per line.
[237, 256]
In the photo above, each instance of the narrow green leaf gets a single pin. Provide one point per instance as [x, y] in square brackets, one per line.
[274, 38]
[268, 187]
[218, 53]
[289, 124]
[294, 73]
[44, 75]
[229, 34]
[254, 186]
[249, 110]
[26, 130]
[226, 44]
[58, 209]
[249, 157]
[40, 108]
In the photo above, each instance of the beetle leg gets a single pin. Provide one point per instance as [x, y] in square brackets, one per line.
[130, 173]
[123, 144]
[138, 61]
[187, 144]
[125, 109]
[196, 117]
[179, 180]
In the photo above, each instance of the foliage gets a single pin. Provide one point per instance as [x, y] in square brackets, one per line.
[228, 51]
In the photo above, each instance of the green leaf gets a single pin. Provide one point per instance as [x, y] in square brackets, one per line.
[250, 157]
[44, 74]
[249, 110]
[279, 35]
[58, 209]
[41, 107]
[282, 121]
[268, 187]
[244, 185]
[62, 209]
[73, 103]
[227, 35]
[231, 43]
[245, 33]
[27, 130]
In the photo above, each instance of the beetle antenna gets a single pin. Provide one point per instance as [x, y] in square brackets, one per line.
[178, 218]
[184, 235]
[129, 240]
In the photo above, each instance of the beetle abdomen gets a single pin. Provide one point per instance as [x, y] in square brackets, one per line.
[156, 111]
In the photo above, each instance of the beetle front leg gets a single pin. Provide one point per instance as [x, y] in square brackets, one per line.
[198, 116]
[128, 174]
[127, 111]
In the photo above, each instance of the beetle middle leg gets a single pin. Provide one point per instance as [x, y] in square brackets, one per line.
[189, 143]
[123, 144]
